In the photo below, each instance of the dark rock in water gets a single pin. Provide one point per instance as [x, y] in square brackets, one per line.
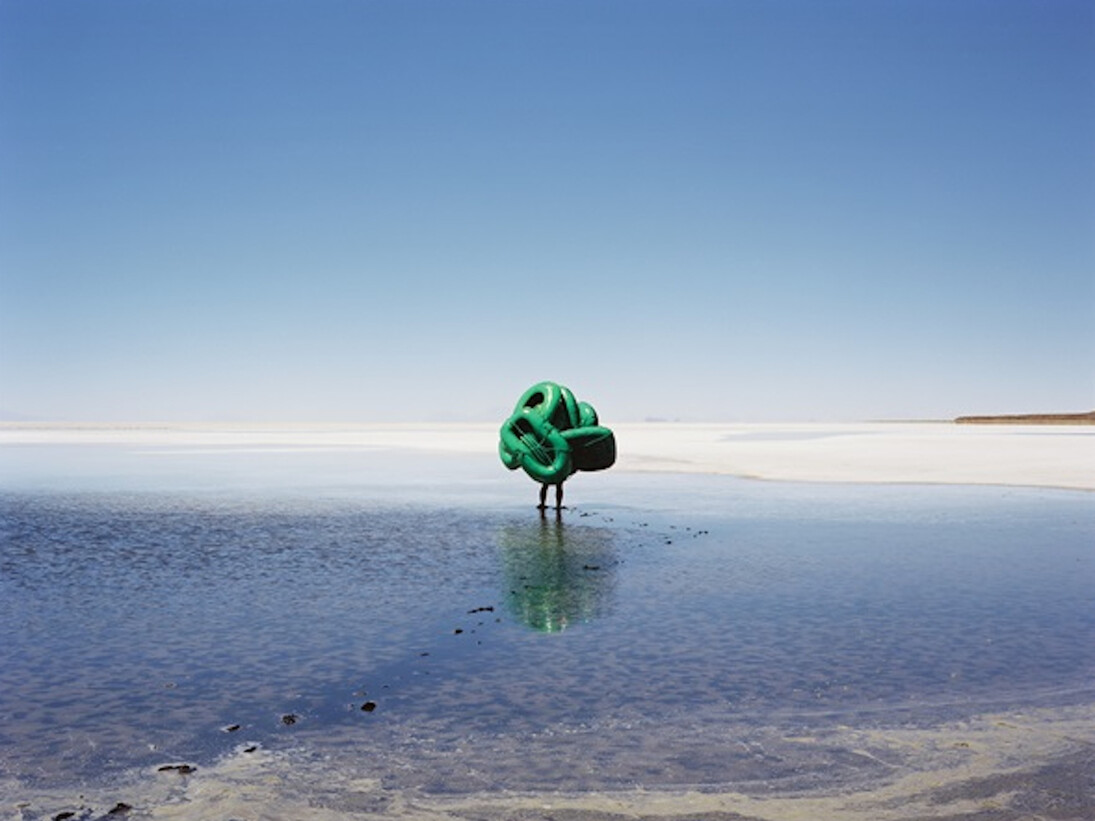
[288, 719]
[121, 808]
[457, 631]
[368, 706]
[62, 816]
[231, 728]
[251, 749]
[591, 567]
[181, 769]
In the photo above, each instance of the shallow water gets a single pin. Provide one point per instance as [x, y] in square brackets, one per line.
[178, 606]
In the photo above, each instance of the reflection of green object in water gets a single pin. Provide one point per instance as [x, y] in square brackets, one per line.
[557, 575]
[550, 435]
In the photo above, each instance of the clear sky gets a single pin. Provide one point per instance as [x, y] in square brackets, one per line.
[353, 210]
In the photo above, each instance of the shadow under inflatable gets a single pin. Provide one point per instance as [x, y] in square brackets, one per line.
[557, 574]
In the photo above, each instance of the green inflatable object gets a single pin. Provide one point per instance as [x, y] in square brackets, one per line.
[550, 435]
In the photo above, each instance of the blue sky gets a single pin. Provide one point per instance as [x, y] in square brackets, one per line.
[381, 211]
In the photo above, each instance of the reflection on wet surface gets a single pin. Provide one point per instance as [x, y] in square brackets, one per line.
[557, 574]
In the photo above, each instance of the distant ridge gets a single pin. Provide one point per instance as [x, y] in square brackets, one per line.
[1030, 419]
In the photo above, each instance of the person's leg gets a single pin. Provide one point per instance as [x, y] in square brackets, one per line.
[559, 496]
[543, 496]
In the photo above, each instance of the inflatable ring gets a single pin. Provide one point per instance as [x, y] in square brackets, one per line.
[593, 448]
[541, 450]
[552, 402]
[587, 417]
[569, 410]
[542, 398]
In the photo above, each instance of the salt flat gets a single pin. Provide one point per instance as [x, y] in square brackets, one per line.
[933, 453]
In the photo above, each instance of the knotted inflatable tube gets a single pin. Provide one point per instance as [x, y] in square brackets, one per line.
[550, 435]
[553, 403]
[532, 443]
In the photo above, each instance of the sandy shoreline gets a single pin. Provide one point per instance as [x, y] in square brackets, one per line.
[882, 452]
[1003, 767]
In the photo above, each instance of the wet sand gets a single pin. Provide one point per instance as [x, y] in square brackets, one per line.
[996, 767]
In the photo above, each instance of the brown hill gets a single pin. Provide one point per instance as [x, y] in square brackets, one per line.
[1030, 419]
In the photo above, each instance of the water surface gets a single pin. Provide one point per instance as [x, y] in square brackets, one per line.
[163, 607]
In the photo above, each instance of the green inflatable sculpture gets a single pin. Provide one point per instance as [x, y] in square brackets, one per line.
[550, 435]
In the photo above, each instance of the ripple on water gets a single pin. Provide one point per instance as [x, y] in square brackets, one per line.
[465, 649]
